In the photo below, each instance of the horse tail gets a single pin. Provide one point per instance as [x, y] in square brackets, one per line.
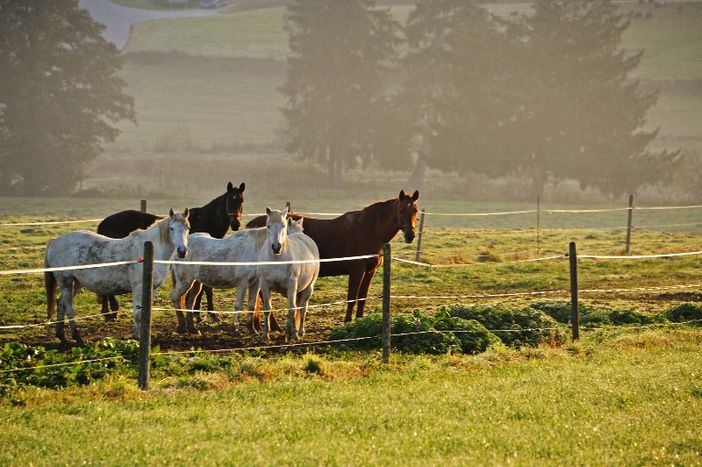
[50, 288]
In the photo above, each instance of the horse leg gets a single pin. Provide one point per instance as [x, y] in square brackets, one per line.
[190, 297]
[254, 321]
[114, 306]
[210, 304]
[363, 292]
[266, 299]
[355, 278]
[65, 295]
[254, 309]
[196, 306]
[178, 301]
[303, 299]
[292, 310]
[68, 308]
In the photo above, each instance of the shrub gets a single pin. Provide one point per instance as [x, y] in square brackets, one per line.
[593, 315]
[515, 328]
[685, 312]
[473, 336]
[419, 333]
[41, 367]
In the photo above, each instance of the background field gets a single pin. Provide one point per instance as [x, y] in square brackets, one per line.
[242, 100]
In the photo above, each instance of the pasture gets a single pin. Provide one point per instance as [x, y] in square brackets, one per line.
[234, 64]
[622, 394]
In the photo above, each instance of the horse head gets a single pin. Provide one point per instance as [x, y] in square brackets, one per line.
[178, 228]
[295, 226]
[277, 225]
[234, 204]
[407, 214]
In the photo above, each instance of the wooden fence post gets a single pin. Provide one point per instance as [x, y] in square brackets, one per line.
[386, 303]
[142, 205]
[574, 319]
[145, 331]
[419, 235]
[629, 216]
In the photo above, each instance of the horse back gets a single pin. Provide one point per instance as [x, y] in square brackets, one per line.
[121, 224]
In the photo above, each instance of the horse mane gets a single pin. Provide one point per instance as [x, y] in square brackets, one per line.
[162, 225]
[163, 231]
[377, 213]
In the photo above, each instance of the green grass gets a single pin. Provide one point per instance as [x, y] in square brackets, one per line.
[622, 395]
[182, 104]
[257, 33]
[632, 399]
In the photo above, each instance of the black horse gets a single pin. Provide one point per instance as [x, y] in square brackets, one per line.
[214, 218]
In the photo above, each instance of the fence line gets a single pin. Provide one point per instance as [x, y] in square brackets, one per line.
[457, 214]
[398, 297]
[265, 263]
[663, 255]
[23, 224]
[248, 312]
[328, 342]
[54, 365]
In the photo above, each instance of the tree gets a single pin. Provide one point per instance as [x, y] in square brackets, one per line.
[579, 114]
[453, 89]
[335, 79]
[60, 95]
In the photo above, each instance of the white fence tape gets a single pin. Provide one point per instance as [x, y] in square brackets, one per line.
[480, 214]
[23, 224]
[663, 255]
[66, 268]
[265, 263]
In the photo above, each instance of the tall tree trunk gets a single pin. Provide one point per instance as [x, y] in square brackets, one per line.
[416, 179]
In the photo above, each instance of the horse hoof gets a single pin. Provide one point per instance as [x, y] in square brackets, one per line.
[215, 318]
[180, 329]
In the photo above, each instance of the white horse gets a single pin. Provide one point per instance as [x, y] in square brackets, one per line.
[295, 281]
[169, 236]
[239, 246]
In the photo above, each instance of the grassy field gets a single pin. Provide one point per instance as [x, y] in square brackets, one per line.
[219, 105]
[623, 394]
[627, 398]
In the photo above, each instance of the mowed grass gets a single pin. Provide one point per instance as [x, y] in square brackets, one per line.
[256, 33]
[633, 399]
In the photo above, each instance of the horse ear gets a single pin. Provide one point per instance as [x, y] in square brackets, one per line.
[415, 195]
[299, 221]
[402, 194]
[268, 210]
[242, 187]
[186, 213]
[284, 212]
[171, 213]
[229, 186]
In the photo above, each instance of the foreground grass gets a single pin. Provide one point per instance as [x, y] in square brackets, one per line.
[624, 398]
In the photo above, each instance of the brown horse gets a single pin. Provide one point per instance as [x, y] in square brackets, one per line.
[357, 233]
[214, 218]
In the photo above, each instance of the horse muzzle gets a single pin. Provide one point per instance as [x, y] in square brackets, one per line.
[409, 236]
[182, 252]
[276, 249]
[235, 224]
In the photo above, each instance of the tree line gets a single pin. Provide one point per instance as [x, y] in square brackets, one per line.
[545, 95]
